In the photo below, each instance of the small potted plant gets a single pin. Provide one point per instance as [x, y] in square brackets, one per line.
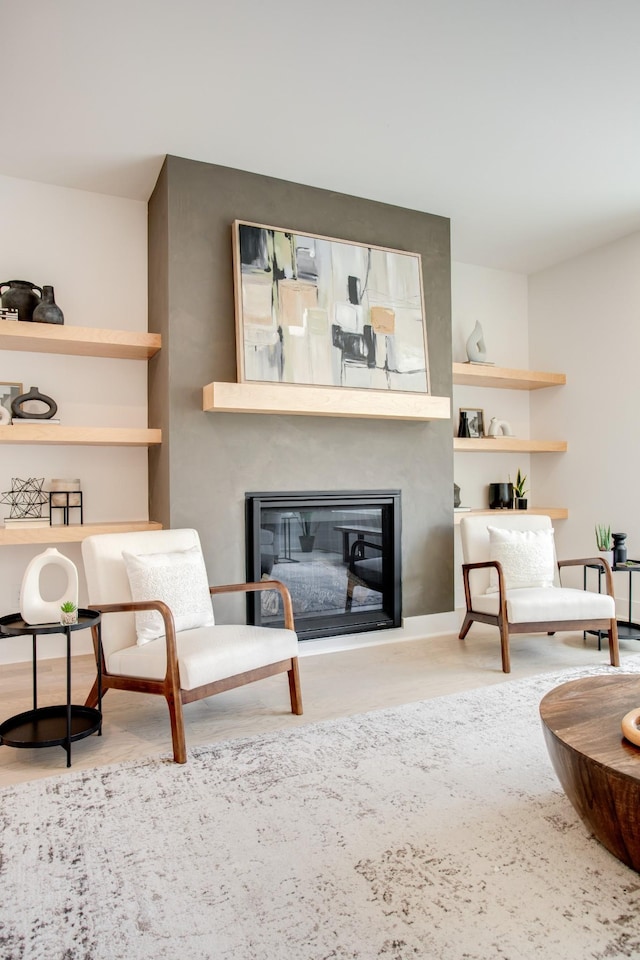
[68, 613]
[520, 491]
[604, 542]
[307, 536]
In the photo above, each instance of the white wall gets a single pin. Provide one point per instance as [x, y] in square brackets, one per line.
[93, 250]
[585, 320]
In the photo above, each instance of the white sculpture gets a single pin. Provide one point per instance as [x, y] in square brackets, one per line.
[498, 427]
[476, 350]
[33, 607]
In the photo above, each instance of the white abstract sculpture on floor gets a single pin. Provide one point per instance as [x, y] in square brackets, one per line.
[476, 350]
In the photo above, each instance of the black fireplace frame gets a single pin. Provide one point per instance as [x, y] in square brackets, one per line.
[354, 621]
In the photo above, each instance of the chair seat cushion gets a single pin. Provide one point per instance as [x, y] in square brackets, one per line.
[531, 604]
[369, 572]
[207, 654]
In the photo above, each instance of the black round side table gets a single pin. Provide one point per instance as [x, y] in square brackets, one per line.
[60, 725]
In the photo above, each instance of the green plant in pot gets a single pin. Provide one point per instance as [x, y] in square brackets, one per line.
[307, 536]
[520, 491]
[68, 612]
[604, 539]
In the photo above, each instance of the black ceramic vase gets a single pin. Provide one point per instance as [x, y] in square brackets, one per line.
[48, 310]
[500, 496]
[619, 548]
[33, 394]
[21, 296]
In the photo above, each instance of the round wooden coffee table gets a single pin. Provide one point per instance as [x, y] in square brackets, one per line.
[598, 768]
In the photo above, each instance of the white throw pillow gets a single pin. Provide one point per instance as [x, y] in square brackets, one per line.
[180, 580]
[527, 558]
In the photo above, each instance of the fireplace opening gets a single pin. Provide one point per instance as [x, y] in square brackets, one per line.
[339, 553]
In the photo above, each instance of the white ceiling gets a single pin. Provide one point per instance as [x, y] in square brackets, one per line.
[518, 119]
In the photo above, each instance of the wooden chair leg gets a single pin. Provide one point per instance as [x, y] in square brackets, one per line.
[466, 625]
[504, 643]
[177, 728]
[350, 588]
[295, 691]
[614, 650]
[92, 699]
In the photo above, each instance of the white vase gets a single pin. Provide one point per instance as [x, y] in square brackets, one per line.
[608, 556]
[34, 608]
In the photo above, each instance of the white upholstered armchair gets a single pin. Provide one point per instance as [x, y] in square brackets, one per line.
[512, 580]
[158, 630]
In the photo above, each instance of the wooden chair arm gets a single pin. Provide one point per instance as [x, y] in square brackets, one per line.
[132, 606]
[483, 564]
[592, 562]
[262, 585]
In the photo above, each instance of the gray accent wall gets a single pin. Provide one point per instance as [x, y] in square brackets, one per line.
[207, 461]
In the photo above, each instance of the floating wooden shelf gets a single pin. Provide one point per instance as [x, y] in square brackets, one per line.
[507, 445]
[77, 341]
[479, 375]
[556, 513]
[72, 436]
[74, 533]
[280, 398]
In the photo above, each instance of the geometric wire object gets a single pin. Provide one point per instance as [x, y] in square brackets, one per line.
[25, 497]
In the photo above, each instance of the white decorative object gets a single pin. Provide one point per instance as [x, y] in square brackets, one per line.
[179, 579]
[499, 427]
[5, 416]
[630, 726]
[60, 499]
[33, 607]
[527, 557]
[476, 350]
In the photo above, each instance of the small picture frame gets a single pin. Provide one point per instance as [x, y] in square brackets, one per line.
[8, 393]
[475, 420]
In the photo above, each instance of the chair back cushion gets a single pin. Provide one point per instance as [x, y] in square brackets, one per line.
[526, 556]
[107, 579]
[179, 578]
[477, 547]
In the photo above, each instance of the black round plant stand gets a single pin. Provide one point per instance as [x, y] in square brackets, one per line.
[59, 725]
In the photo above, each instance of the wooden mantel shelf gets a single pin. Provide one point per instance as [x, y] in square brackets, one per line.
[71, 533]
[507, 445]
[485, 375]
[77, 341]
[280, 398]
[74, 436]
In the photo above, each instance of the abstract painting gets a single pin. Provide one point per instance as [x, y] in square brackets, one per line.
[325, 312]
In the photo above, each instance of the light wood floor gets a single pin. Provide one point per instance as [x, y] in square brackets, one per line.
[334, 685]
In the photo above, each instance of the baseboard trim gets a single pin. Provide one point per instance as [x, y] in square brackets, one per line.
[413, 628]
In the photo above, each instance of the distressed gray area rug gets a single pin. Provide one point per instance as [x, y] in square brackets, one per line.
[434, 830]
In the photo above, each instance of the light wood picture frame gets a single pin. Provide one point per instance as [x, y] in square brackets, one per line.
[318, 311]
[475, 419]
[8, 393]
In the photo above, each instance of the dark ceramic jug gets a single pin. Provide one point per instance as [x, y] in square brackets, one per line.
[21, 296]
[33, 394]
[48, 310]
